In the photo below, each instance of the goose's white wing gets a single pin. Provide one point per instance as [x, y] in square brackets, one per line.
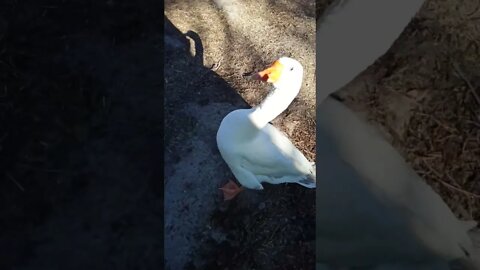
[273, 158]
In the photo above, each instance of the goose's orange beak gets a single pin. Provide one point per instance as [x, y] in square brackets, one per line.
[271, 74]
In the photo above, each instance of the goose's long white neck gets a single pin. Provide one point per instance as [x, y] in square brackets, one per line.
[274, 104]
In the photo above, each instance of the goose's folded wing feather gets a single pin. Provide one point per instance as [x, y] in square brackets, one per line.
[271, 153]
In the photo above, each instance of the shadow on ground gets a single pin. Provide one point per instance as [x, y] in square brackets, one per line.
[273, 229]
[80, 136]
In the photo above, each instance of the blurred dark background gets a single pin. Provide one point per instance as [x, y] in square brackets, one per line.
[80, 134]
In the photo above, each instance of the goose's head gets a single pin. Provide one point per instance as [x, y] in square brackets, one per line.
[285, 73]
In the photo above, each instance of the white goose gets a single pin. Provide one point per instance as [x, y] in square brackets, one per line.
[256, 151]
[373, 210]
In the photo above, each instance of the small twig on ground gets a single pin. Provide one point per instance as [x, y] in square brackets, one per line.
[476, 196]
[439, 179]
[216, 66]
[15, 181]
[436, 120]
[42, 169]
[467, 81]
[432, 170]
[473, 11]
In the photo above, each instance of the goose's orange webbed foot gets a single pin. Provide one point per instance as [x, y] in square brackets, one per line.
[230, 190]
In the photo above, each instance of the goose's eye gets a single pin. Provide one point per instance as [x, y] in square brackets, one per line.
[291, 69]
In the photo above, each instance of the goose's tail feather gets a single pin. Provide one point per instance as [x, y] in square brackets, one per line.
[471, 261]
[310, 180]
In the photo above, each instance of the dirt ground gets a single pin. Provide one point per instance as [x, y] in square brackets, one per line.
[80, 136]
